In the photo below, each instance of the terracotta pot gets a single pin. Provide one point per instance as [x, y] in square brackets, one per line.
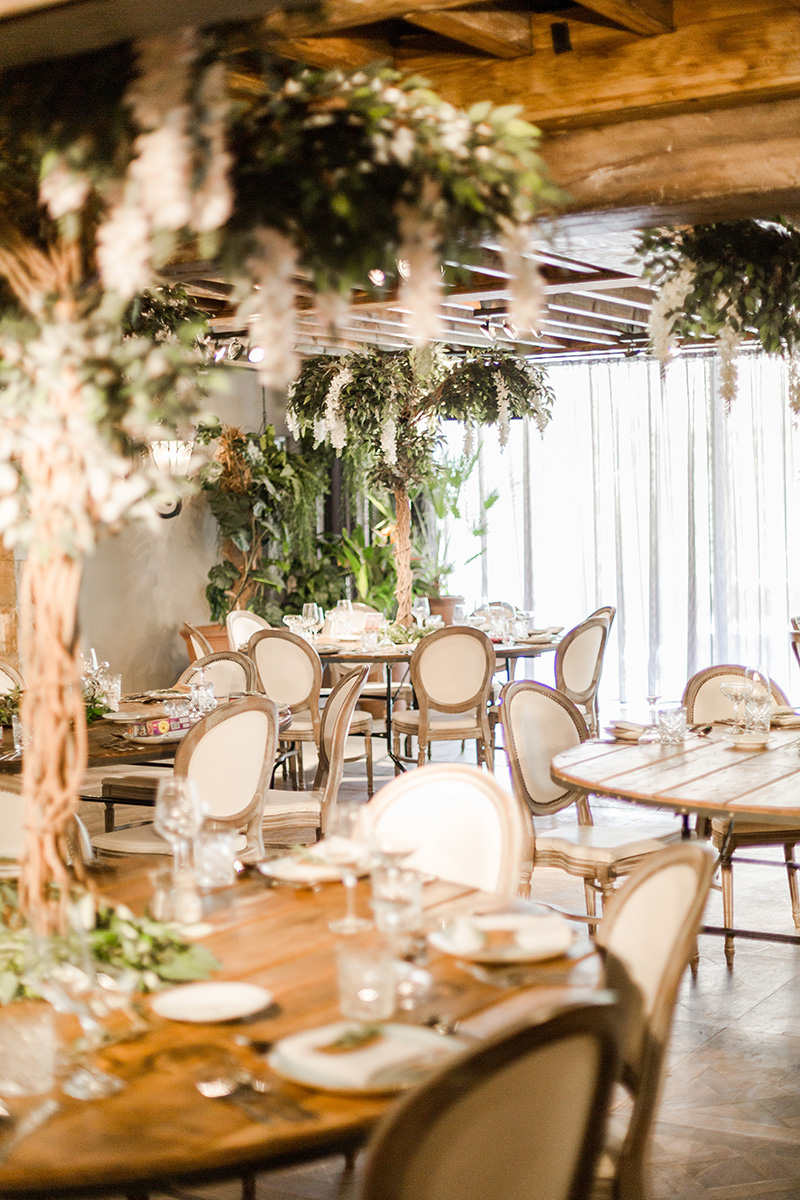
[442, 606]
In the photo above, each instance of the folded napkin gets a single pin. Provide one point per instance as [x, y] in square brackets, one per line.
[510, 935]
[626, 731]
[785, 720]
[384, 1063]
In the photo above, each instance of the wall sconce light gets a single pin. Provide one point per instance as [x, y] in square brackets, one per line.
[171, 457]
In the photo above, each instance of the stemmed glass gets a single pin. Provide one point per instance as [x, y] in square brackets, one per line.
[312, 620]
[178, 816]
[344, 618]
[391, 848]
[397, 904]
[345, 851]
[737, 691]
[421, 610]
[651, 734]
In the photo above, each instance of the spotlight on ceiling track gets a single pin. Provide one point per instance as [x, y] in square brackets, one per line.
[404, 267]
[488, 330]
[509, 329]
[377, 276]
[235, 349]
[220, 352]
[255, 354]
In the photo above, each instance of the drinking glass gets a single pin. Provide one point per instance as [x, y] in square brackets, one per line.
[312, 619]
[178, 816]
[345, 851]
[18, 735]
[27, 1049]
[366, 983]
[737, 691]
[758, 705]
[397, 905]
[421, 610]
[110, 684]
[343, 617]
[672, 724]
[651, 735]
[459, 614]
[214, 856]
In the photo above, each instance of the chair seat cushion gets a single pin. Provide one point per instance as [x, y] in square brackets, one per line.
[770, 833]
[290, 807]
[605, 846]
[140, 839]
[300, 729]
[454, 725]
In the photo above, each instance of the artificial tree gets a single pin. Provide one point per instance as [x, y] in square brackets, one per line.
[112, 163]
[389, 404]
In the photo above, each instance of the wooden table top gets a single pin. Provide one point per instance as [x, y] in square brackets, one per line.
[702, 775]
[346, 652]
[159, 1127]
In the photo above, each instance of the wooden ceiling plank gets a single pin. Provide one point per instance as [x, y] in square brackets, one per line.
[501, 33]
[639, 16]
[741, 58]
[334, 53]
[344, 14]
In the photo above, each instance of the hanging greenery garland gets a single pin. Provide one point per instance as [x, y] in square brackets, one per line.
[733, 281]
[388, 406]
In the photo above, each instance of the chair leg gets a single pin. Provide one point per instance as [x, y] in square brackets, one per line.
[422, 750]
[694, 961]
[726, 872]
[488, 755]
[249, 1187]
[591, 904]
[301, 781]
[396, 751]
[794, 891]
[368, 752]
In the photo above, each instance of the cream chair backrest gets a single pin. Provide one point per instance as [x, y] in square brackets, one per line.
[289, 669]
[200, 644]
[451, 669]
[606, 613]
[705, 702]
[230, 755]
[467, 828]
[12, 812]
[241, 625]
[10, 678]
[579, 659]
[228, 671]
[334, 728]
[467, 1134]
[538, 723]
[648, 935]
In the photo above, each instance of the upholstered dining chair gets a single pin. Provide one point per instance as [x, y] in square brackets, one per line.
[199, 642]
[230, 755]
[465, 826]
[538, 723]
[10, 678]
[289, 817]
[467, 1134]
[606, 613]
[451, 673]
[794, 640]
[579, 663]
[648, 936]
[705, 703]
[240, 625]
[229, 671]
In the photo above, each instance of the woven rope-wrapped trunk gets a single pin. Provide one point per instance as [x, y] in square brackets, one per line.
[401, 543]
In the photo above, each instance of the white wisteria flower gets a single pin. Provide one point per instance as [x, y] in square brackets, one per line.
[389, 441]
[270, 310]
[63, 190]
[502, 409]
[123, 251]
[666, 311]
[727, 349]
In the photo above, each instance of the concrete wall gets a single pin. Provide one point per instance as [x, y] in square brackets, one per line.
[139, 588]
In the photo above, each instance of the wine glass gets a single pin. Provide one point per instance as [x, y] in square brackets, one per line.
[421, 610]
[178, 816]
[344, 618]
[737, 690]
[312, 620]
[397, 905]
[651, 734]
[345, 851]
[391, 848]
[758, 705]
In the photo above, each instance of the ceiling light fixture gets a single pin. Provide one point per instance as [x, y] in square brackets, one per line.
[489, 330]
[220, 352]
[509, 329]
[377, 276]
[255, 354]
[235, 349]
[404, 267]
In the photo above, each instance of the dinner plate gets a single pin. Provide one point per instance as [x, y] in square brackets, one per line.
[302, 868]
[402, 1057]
[156, 739]
[747, 741]
[505, 937]
[130, 716]
[208, 1002]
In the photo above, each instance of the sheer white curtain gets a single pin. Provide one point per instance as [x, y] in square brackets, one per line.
[645, 494]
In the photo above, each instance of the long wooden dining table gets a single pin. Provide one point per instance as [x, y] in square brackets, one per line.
[159, 1128]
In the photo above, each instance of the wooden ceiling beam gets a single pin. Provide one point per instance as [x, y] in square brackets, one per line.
[750, 56]
[334, 53]
[499, 32]
[327, 18]
[639, 16]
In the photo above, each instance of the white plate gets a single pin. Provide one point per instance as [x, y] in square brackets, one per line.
[156, 739]
[206, 1002]
[535, 937]
[293, 868]
[748, 741]
[413, 1052]
[130, 716]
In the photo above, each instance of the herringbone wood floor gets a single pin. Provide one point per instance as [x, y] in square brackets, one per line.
[729, 1120]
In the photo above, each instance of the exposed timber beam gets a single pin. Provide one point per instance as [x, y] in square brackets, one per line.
[334, 53]
[498, 32]
[345, 14]
[639, 16]
[750, 56]
[686, 168]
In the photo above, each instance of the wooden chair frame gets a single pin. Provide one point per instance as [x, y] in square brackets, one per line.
[587, 698]
[230, 622]
[309, 704]
[247, 665]
[198, 641]
[413, 1122]
[477, 701]
[13, 675]
[701, 678]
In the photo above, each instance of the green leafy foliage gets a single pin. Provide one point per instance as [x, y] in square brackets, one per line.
[745, 275]
[371, 567]
[9, 705]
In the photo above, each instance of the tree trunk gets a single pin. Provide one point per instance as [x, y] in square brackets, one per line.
[401, 542]
[54, 721]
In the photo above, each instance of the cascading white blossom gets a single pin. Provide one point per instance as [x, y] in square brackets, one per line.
[123, 251]
[63, 190]
[526, 285]
[292, 422]
[389, 441]
[666, 310]
[269, 309]
[793, 381]
[503, 412]
[727, 349]
[469, 440]
[335, 425]
[213, 201]
[320, 431]
[420, 293]
[332, 309]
